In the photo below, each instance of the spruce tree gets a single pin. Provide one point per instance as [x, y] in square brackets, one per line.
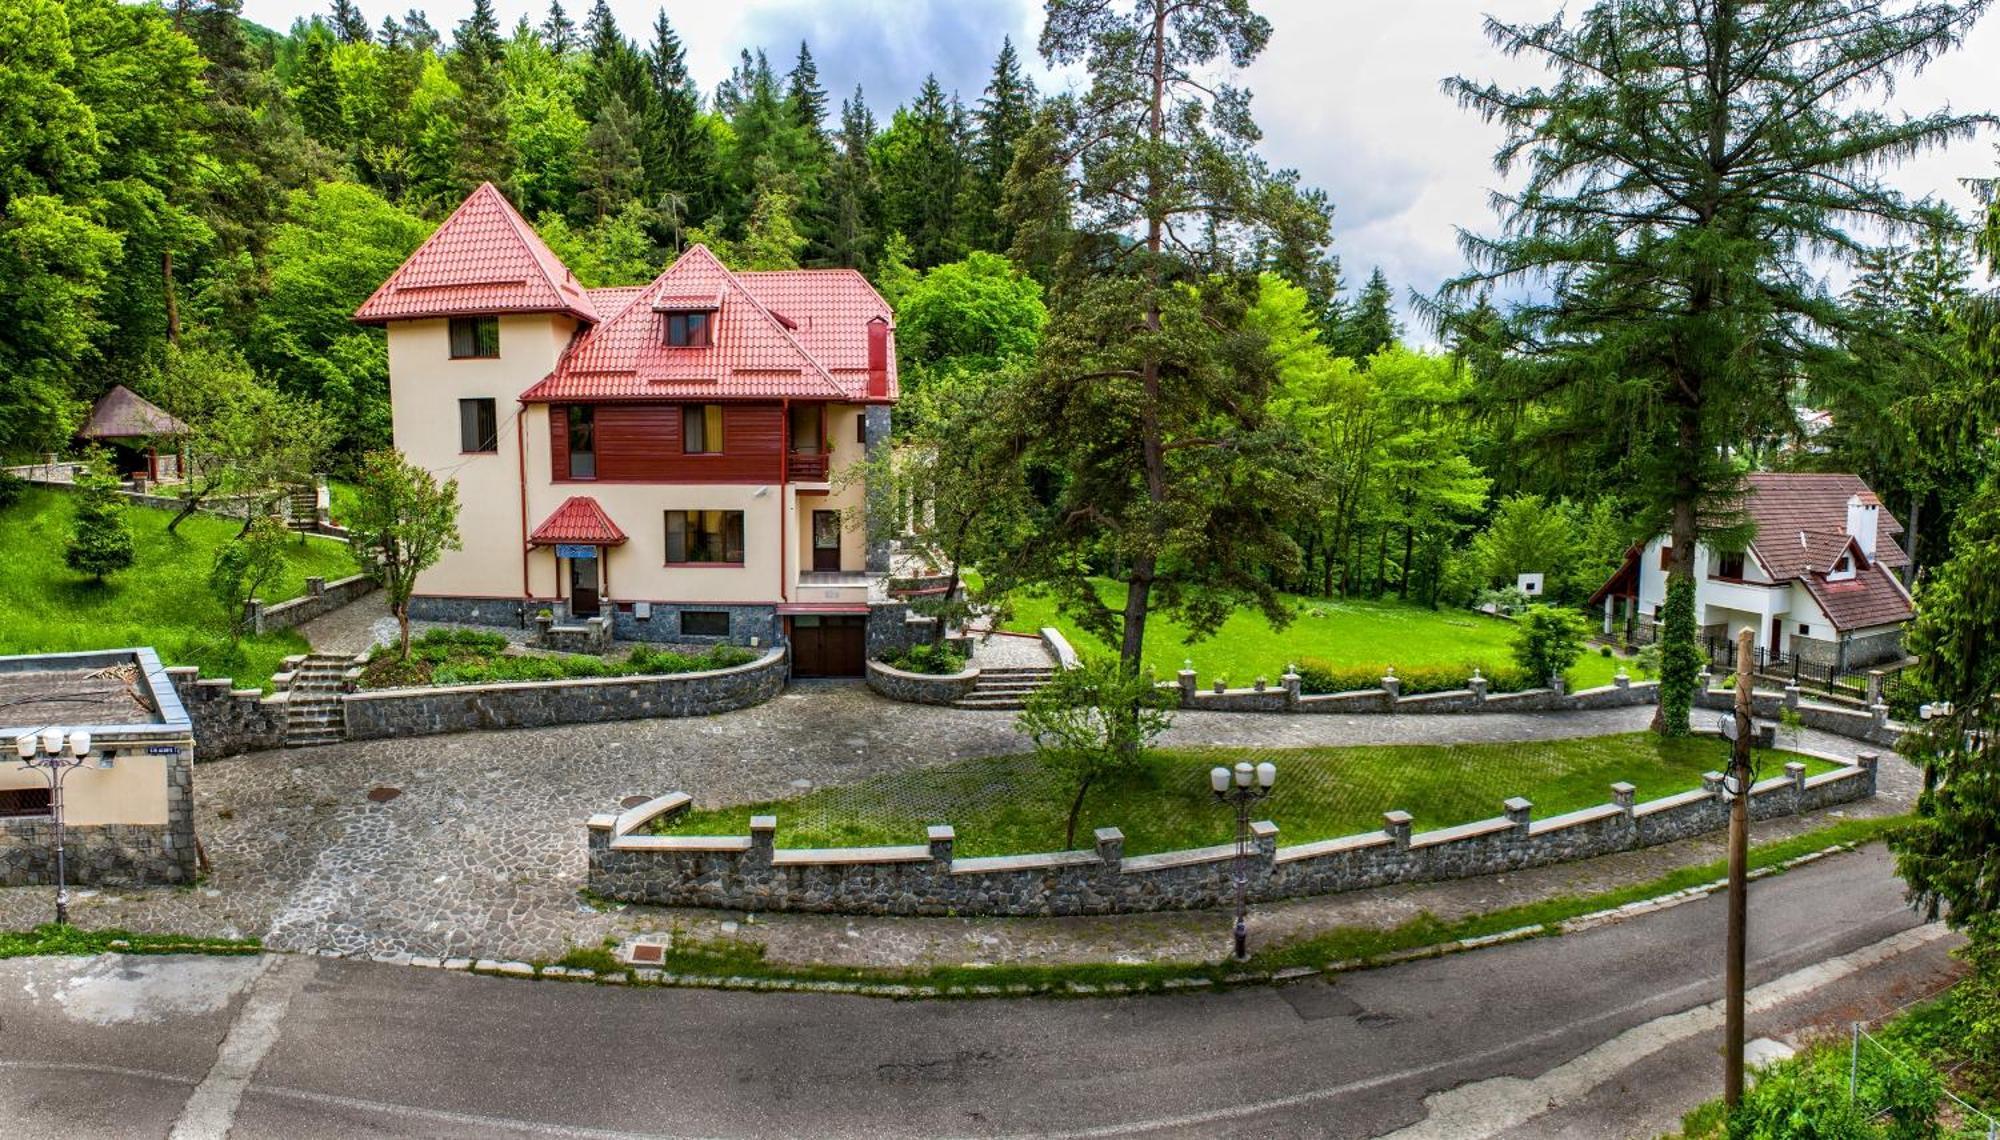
[99, 543]
[315, 91]
[804, 97]
[854, 199]
[348, 22]
[679, 152]
[419, 33]
[610, 172]
[558, 30]
[484, 152]
[921, 165]
[1678, 171]
[1370, 325]
[1003, 115]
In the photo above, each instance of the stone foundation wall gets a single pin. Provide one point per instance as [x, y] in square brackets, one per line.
[505, 613]
[750, 873]
[1873, 648]
[228, 720]
[536, 704]
[113, 855]
[921, 688]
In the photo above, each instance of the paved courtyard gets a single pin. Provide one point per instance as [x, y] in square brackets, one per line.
[473, 844]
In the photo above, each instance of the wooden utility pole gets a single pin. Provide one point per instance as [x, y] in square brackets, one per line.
[1739, 860]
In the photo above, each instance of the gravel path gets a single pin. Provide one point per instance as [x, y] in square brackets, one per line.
[474, 843]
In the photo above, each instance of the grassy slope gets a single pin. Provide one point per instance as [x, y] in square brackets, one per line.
[1345, 632]
[161, 601]
[1011, 804]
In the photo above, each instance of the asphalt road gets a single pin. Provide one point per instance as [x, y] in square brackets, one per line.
[1604, 1033]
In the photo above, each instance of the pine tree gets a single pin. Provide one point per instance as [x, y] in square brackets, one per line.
[484, 152]
[348, 22]
[478, 34]
[558, 30]
[1003, 115]
[1370, 326]
[679, 152]
[854, 200]
[315, 91]
[391, 37]
[1678, 170]
[418, 31]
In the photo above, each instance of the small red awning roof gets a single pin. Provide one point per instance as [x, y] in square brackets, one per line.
[578, 522]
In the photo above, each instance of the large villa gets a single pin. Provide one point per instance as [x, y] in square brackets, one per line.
[677, 457]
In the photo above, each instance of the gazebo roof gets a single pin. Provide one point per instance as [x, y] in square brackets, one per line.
[122, 413]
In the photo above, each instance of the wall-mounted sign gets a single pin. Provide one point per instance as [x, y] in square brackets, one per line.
[576, 551]
[162, 750]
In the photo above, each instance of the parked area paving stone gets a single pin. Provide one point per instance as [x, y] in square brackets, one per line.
[481, 855]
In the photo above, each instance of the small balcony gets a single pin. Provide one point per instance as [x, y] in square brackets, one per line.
[805, 467]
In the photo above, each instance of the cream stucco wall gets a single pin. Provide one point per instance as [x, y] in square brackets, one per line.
[845, 494]
[133, 790]
[425, 386]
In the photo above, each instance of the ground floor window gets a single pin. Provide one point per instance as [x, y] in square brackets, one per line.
[24, 801]
[705, 623]
[705, 536]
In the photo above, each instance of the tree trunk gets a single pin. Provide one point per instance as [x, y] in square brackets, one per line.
[189, 507]
[1075, 813]
[1409, 548]
[403, 628]
[1916, 509]
[167, 279]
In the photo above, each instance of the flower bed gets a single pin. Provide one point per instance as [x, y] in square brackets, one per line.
[473, 657]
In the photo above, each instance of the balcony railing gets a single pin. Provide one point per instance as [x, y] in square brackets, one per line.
[805, 467]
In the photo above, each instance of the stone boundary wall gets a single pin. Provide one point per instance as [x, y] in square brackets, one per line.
[383, 713]
[321, 597]
[228, 720]
[1059, 648]
[751, 873]
[921, 688]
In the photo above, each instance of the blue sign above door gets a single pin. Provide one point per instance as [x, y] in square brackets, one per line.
[576, 552]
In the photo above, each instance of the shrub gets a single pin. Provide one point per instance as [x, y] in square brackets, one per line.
[1806, 1098]
[12, 487]
[244, 567]
[648, 660]
[1549, 641]
[942, 659]
[1093, 722]
[1317, 676]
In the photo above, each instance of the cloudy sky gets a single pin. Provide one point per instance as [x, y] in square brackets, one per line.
[1347, 92]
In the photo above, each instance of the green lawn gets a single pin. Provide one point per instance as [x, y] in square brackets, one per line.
[161, 601]
[1345, 633]
[1011, 804]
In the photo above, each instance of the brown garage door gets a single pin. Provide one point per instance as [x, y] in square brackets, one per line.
[829, 645]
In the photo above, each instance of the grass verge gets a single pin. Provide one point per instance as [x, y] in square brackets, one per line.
[70, 940]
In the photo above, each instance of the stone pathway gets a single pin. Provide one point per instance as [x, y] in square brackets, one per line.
[359, 626]
[1009, 651]
[473, 844]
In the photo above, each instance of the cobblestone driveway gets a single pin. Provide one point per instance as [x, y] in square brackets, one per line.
[473, 844]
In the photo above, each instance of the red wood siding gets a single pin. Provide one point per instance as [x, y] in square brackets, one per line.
[641, 443]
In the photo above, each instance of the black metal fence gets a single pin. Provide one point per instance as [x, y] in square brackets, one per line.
[1899, 690]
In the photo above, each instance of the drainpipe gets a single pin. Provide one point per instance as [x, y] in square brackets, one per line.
[784, 481]
[521, 458]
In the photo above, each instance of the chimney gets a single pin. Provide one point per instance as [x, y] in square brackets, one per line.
[1862, 510]
[878, 357]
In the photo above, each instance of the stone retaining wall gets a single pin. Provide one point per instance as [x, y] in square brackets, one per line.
[536, 704]
[321, 597]
[751, 873]
[921, 688]
[228, 720]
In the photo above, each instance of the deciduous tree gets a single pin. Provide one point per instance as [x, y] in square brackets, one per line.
[403, 521]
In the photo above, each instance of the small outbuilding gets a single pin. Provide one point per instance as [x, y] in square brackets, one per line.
[134, 428]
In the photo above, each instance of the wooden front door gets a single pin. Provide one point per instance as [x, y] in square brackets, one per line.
[1777, 632]
[826, 541]
[828, 645]
[583, 587]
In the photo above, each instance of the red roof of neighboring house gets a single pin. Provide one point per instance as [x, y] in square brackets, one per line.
[578, 521]
[797, 333]
[1872, 597]
[484, 259]
[1784, 505]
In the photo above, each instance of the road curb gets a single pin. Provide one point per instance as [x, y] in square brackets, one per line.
[666, 979]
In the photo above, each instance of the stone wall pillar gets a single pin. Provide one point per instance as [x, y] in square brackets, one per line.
[1396, 825]
[1791, 695]
[1187, 680]
[253, 615]
[1870, 764]
[1519, 812]
[1711, 782]
[1622, 680]
[942, 838]
[315, 587]
[1392, 685]
[1291, 683]
[1875, 687]
[1796, 773]
[1624, 796]
[763, 839]
[1110, 846]
[1478, 684]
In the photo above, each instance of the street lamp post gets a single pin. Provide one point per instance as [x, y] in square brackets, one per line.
[1241, 787]
[55, 758]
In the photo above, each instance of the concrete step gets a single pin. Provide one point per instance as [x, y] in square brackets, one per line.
[1017, 671]
[994, 704]
[996, 690]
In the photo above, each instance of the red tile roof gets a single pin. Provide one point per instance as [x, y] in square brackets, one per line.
[608, 299]
[796, 333]
[1872, 597]
[580, 521]
[483, 259]
[1784, 504]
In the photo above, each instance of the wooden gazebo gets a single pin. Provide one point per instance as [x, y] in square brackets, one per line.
[132, 427]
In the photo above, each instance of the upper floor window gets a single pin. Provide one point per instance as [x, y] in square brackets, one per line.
[701, 429]
[478, 428]
[1729, 565]
[1845, 565]
[805, 429]
[474, 338]
[1666, 557]
[689, 330]
[582, 441]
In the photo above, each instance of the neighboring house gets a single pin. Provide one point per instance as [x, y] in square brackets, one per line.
[1815, 583]
[670, 455]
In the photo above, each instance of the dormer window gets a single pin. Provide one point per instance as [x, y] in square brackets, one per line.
[690, 330]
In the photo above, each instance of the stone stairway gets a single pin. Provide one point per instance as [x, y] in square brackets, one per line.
[313, 714]
[1005, 687]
